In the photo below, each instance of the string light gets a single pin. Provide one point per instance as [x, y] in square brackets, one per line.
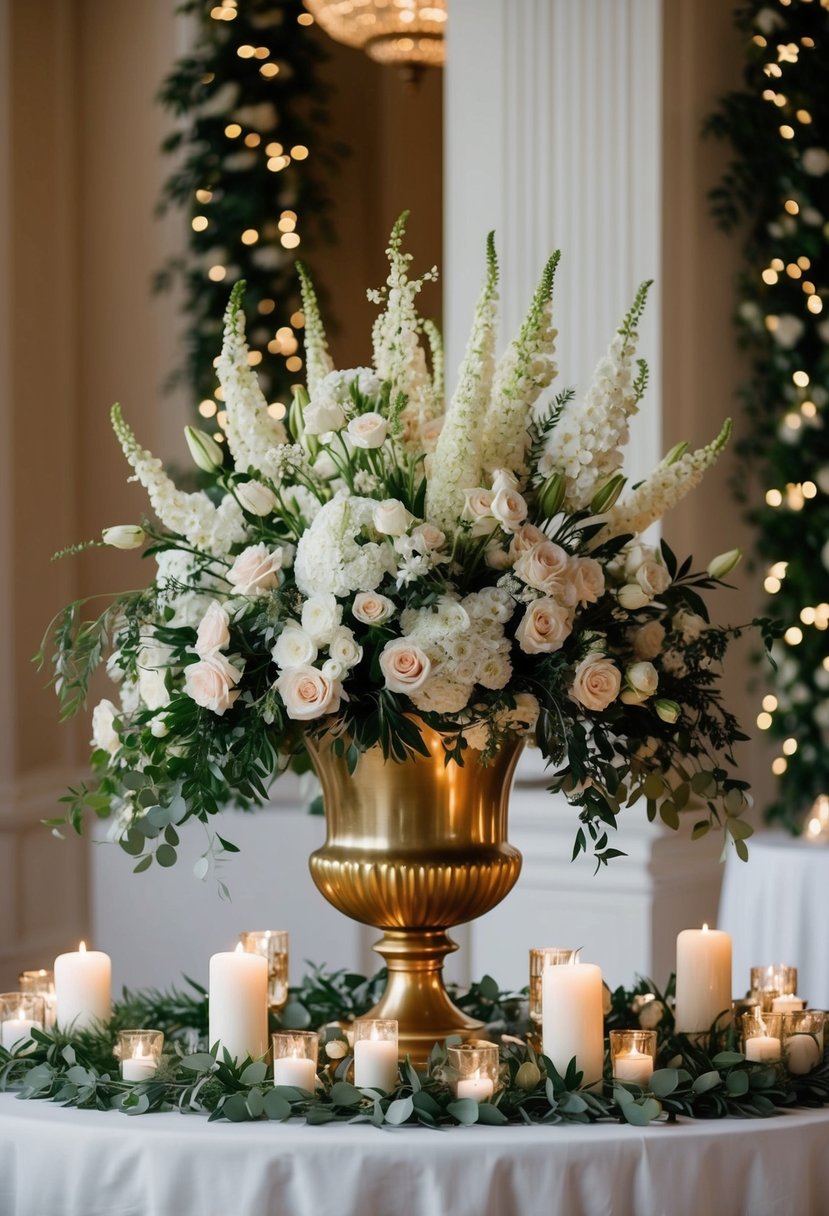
[770, 702]
[199, 223]
[217, 273]
[779, 766]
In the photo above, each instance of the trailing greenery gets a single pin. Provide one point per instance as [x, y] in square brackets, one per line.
[775, 194]
[703, 1080]
[232, 147]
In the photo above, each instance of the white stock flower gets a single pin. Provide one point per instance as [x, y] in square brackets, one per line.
[256, 498]
[213, 632]
[371, 608]
[391, 518]
[368, 430]
[210, 683]
[307, 693]
[596, 682]
[545, 627]
[104, 734]
[404, 665]
[294, 647]
[321, 616]
[256, 570]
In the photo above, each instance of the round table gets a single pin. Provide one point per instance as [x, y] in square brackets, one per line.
[61, 1162]
[777, 908]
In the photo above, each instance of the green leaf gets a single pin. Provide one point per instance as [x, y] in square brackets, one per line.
[133, 842]
[706, 1081]
[737, 1084]
[487, 1113]
[295, 1016]
[640, 1114]
[344, 1094]
[254, 1073]
[235, 1108]
[465, 1110]
[255, 1103]
[399, 1111]
[200, 1061]
[664, 1081]
[166, 855]
[727, 1059]
[276, 1107]
[143, 864]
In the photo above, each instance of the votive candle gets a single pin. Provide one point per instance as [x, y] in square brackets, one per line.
[375, 1054]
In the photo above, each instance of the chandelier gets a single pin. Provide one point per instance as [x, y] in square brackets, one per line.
[407, 33]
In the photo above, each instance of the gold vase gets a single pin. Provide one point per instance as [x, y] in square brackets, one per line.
[414, 848]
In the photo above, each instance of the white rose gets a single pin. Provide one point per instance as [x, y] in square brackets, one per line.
[213, 632]
[477, 508]
[631, 597]
[641, 680]
[689, 625]
[104, 734]
[320, 417]
[153, 661]
[308, 693]
[333, 669]
[256, 498]
[371, 608]
[344, 649]
[368, 430]
[587, 578]
[653, 578]
[430, 433]
[210, 683]
[256, 570]
[427, 537]
[545, 627]
[405, 667]
[510, 509]
[647, 641]
[503, 479]
[391, 518]
[596, 682]
[321, 616]
[294, 647]
[547, 568]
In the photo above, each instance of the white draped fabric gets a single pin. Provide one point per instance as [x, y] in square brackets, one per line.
[61, 1162]
[777, 909]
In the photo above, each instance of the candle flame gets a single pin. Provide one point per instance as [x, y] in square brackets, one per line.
[82, 948]
[705, 928]
[240, 949]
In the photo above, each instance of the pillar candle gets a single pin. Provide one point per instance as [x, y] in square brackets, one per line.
[239, 1003]
[298, 1071]
[787, 1004]
[762, 1048]
[635, 1066]
[703, 978]
[83, 988]
[375, 1064]
[572, 1020]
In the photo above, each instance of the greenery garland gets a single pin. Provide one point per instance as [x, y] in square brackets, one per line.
[776, 193]
[702, 1080]
[248, 172]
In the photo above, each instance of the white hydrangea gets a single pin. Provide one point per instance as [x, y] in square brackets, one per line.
[334, 554]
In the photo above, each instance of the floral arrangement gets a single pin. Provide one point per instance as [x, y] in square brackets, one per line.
[371, 561]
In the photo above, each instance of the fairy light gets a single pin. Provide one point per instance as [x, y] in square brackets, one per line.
[800, 379]
[789, 747]
[204, 196]
[814, 304]
[305, 19]
[786, 131]
[269, 70]
[233, 130]
[199, 223]
[774, 498]
[793, 635]
[250, 236]
[792, 206]
[207, 408]
[266, 307]
[764, 721]
[277, 410]
[217, 273]
[779, 766]
[770, 277]
[769, 702]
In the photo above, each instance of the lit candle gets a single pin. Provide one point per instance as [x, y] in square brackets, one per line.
[703, 978]
[83, 988]
[139, 1067]
[239, 1003]
[762, 1048]
[787, 1004]
[477, 1087]
[572, 1019]
[41, 983]
[375, 1064]
[634, 1066]
[298, 1071]
[18, 1028]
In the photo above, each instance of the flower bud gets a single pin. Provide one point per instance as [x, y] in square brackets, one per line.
[676, 453]
[631, 597]
[296, 424]
[256, 498]
[124, 536]
[606, 497]
[724, 563]
[551, 495]
[668, 711]
[204, 449]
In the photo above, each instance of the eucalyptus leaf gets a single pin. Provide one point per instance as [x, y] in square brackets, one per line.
[706, 1081]
[345, 1094]
[465, 1110]
[640, 1114]
[487, 1113]
[254, 1073]
[399, 1111]
[664, 1081]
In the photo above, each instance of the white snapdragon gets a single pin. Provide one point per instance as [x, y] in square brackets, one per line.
[318, 362]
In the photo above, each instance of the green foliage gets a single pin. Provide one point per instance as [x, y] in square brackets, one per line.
[785, 444]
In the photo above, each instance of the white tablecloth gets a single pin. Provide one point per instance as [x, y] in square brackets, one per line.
[776, 906]
[61, 1162]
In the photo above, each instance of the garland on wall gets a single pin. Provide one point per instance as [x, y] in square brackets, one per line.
[248, 173]
[776, 193]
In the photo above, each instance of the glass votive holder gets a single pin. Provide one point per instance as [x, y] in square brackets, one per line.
[772, 980]
[474, 1067]
[541, 957]
[272, 944]
[763, 1037]
[20, 1013]
[633, 1056]
[803, 1040]
[140, 1053]
[295, 1056]
[375, 1054]
[41, 983]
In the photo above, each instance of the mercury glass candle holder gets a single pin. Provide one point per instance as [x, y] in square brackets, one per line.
[803, 1040]
[272, 944]
[474, 1067]
[140, 1053]
[20, 1014]
[541, 957]
[295, 1057]
[633, 1056]
[375, 1054]
[772, 980]
[41, 983]
[763, 1037]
